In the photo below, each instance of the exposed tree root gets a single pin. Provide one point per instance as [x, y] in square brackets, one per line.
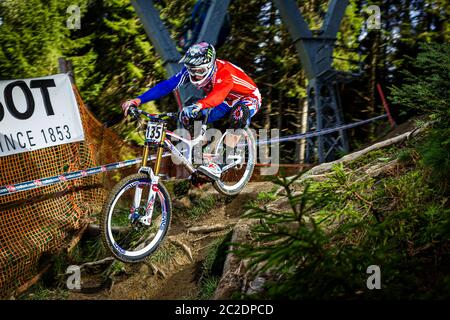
[201, 238]
[212, 228]
[183, 246]
[96, 263]
[157, 271]
[73, 243]
[381, 169]
[94, 229]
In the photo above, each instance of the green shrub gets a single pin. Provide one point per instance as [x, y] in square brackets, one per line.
[427, 89]
[181, 188]
[335, 229]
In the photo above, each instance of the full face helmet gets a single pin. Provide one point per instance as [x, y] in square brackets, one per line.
[200, 61]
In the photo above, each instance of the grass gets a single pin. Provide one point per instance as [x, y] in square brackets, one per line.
[380, 155]
[164, 254]
[263, 198]
[209, 286]
[89, 250]
[181, 188]
[266, 196]
[114, 269]
[41, 292]
[200, 206]
[405, 156]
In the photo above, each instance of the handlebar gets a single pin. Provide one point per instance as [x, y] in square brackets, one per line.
[136, 113]
[161, 117]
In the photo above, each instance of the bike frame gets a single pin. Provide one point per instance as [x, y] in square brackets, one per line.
[186, 161]
[154, 173]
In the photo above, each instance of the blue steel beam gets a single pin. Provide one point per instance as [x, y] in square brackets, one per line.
[158, 34]
[162, 42]
[214, 21]
[164, 45]
[333, 17]
[315, 51]
[299, 30]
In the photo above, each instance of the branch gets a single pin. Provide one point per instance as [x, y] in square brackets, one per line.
[32, 281]
[355, 155]
[76, 239]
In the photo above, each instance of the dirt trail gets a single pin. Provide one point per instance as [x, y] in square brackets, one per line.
[180, 276]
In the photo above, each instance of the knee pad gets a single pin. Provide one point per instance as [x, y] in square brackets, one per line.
[239, 116]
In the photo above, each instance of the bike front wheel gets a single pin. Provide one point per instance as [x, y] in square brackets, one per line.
[123, 233]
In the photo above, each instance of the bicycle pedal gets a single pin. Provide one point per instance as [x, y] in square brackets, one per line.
[198, 180]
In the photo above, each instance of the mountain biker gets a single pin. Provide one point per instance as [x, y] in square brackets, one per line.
[229, 92]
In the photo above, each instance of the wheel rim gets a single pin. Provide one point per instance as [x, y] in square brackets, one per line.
[135, 240]
[235, 177]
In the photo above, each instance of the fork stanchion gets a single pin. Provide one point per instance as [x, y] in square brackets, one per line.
[160, 151]
[145, 155]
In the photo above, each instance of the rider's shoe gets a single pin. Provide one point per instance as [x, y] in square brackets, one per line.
[211, 170]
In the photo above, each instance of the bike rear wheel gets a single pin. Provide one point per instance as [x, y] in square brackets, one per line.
[233, 180]
[127, 238]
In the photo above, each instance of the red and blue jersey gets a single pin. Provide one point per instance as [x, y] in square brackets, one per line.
[229, 84]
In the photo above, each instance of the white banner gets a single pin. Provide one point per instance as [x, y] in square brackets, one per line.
[38, 113]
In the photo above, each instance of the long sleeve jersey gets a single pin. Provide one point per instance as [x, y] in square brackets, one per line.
[229, 84]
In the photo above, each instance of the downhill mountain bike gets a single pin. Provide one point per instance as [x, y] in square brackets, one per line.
[137, 213]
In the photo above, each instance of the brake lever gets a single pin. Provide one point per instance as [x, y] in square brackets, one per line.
[205, 119]
[136, 116]
[134, 113]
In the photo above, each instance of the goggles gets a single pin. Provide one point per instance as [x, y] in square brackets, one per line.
[199, 71]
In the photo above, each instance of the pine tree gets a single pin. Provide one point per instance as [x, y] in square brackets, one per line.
[33, 35]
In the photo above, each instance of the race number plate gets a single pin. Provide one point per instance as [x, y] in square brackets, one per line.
[154, 132]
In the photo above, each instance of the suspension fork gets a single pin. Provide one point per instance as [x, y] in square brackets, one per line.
[138, 191]
[154, 176]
